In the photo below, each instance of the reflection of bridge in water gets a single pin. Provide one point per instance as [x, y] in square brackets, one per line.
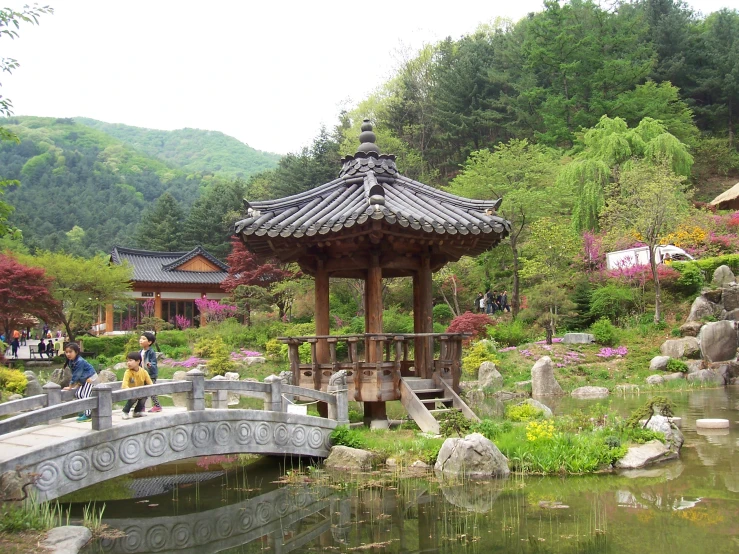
[286, 518]
[60, 457]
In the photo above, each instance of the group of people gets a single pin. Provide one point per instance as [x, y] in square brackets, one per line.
[50, 349]
[492, 301]
[18, 338]
[141, 369]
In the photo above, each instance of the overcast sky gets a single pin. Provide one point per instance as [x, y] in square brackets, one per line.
[266, 72]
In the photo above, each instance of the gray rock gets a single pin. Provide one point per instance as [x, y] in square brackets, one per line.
[694, 365]
[578, 338]
[107, 376]
[61, 376]
[522, 384]
[15, 397]
[179, 398]
[690, 328]
[543, 382]
[655, 380]
[713, 296]
[590, 392]
[344, 458]
[479, 498]
[474, 456]
[733, 315]
[722, 276]
[233, 397]
[674, 376]
[659, 363]
[730, 298]
[702, 308]
[673, 436]
[718, 341]
[11, 486]
[489, 377]
[68, 539]
[30, 375]
[33, 388]
[686, 347]
[475, 395]
[642, 455]
[255, 360]
[119, 366]
[706, 376]
[231, 376]
[418, 464]
[539, 406]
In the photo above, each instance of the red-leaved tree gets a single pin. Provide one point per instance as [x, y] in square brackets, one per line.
[250, 277]
[468, 322]
[24, 294]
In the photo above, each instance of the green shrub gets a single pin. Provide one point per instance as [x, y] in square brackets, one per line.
[523, 412]
[605, 332]
[674, 366]
[481, 351]
[176, 352]
[454, 424]
[443, 314]
[491, 429]
[305, 353]
[30, 515]
[691, 278]
[709, 265]
[12, 380]
[510, 333]
[355, 416]
[613, 302]
[344, 436]
[394, 321]
[206, 348]
[220, 365]
[108, 346]
[275, 350]
[172, 338]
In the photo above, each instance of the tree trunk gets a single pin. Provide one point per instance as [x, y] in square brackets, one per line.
[247, 314]
[68, 329]
[515, 299]
[657, 291]
[731, 127]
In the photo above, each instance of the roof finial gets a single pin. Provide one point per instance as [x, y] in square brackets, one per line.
[367, 139]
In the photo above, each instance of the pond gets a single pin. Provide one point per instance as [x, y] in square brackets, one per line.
[690, 505]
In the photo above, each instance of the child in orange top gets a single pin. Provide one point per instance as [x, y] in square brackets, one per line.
[135, 376]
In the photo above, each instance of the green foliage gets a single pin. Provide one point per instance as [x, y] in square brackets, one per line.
[275, 350]
[674, 366]
[108, 346]
[12, 380]
[708, 265]
[345, 436]
[208, 347]
[172, 338]
[691, 277]
[395, 321]
[523, 412]
[442, 314]
[481, 351]
[605, 332]
[640, 436]
[454, 423]
[657, 404]
[176, 352]
[30, 515]
[613, 302]
[510, 333]
[491, 429]
[581, 317]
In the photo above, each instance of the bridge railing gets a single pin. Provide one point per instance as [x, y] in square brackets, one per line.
[51, 407]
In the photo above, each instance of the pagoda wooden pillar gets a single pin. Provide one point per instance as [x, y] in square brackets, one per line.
[321, 313]
[374, 412]
[423, 318]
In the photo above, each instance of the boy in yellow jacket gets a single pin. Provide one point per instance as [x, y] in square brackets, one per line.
[135, 376]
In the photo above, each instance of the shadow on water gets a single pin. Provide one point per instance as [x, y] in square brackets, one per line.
[690, 505]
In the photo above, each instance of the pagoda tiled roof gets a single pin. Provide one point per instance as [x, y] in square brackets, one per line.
[161, 267]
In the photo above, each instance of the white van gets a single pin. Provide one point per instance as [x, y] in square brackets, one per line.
[640, 256]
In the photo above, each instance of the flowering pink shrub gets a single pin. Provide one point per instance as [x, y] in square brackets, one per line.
[182, 322]
[611, 352]
[147, 308]
[213, 310]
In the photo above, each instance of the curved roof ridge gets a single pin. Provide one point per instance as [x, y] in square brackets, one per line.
[198, 250]
[448, 196]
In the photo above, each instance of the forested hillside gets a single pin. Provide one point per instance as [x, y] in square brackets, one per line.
[193, 150]
[84, 191]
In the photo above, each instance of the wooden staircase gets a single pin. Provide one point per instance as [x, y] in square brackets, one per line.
[423, 399]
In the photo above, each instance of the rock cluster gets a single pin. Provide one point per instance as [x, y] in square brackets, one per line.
[473, 456]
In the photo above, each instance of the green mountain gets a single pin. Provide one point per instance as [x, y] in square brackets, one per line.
[191, 149]
[83, 190]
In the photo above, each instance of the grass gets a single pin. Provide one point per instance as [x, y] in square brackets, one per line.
[30, 515]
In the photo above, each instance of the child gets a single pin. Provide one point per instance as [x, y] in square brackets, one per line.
[83, 376]
[149, 363]
[135, 376]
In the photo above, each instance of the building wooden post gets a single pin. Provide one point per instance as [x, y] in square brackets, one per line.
[375, 412]
[321, 312]
[423, 318]
[158, 305]
[109, 318]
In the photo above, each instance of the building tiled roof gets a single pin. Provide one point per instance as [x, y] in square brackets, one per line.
[161, 267]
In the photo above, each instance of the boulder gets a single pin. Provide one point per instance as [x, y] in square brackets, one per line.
[673, 436]
[233, 397]
[578, 338]
[61, 376]
[119, 366]
[418, 464]
[642, 455]
[33, 388]
[474, 456]
[706, 376]
[344, 458]
[107, 376]
[730, 298]
[723, 276]
[543, 382]
[179, 398]
[694, 365]
[15, 397]
[713, 296]
[659, 363]
[475, 396]
[231, 376]
[686, 347]
[655, 380]
[674, 376]
[702, 308]
[718, 341]
[589, 392]
[489, 377]
[255, 360]
[68, 539]
[539, 406]
[690, 328]
[733, 315]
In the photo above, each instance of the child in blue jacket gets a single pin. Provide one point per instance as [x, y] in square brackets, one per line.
[83, 376]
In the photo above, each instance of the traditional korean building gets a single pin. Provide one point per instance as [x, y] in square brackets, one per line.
[372, 223]
[171, 280]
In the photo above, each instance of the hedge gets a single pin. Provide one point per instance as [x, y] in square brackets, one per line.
[106, 346]
[709, 265]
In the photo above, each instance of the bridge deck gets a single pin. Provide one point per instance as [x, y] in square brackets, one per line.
[25, 441]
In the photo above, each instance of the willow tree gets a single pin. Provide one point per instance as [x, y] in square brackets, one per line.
[649, 201]
[609, 149]
[520, 173]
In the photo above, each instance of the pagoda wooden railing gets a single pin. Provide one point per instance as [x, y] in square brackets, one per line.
[375, 362]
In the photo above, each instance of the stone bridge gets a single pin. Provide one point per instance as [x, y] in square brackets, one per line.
[62, 456]
[284, 516]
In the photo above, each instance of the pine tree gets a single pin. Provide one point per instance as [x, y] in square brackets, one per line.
[160, 227]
